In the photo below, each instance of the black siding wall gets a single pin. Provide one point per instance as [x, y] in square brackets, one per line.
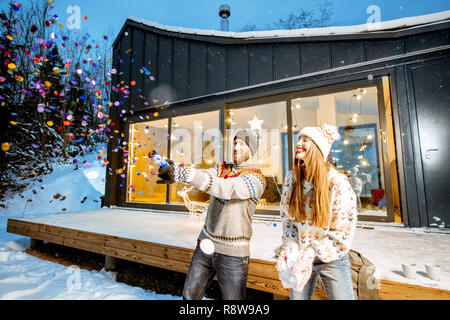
[186, 68]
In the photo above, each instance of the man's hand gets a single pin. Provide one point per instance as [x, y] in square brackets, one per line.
[167, 174]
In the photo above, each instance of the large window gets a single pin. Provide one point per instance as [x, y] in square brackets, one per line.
[142, 173]
[196, 141]
[358, 153]
[365, 152]
[271, 120]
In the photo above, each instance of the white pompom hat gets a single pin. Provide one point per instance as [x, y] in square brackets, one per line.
[322, 136]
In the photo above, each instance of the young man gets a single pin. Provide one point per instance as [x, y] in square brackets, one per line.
[223, 244]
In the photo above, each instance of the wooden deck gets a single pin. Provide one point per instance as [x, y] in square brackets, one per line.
[262, 274]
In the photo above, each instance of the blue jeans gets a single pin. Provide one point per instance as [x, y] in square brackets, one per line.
[231, 274]
[336, 277]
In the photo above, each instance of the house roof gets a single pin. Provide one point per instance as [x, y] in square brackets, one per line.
[306, 32]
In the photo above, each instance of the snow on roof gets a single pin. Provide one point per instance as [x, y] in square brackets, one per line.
[326, 31]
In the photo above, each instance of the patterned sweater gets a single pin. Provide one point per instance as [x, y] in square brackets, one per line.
[234, 195]
[329, 243]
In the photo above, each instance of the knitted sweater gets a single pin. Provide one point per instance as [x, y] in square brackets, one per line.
[329, 243]
[234, 195]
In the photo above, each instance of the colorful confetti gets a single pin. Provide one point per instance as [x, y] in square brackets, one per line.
[5, 146]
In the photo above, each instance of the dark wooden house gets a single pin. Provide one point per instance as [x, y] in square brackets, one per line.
[196, 74]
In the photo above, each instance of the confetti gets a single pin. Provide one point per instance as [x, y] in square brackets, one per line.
[5, 146]
[144, 69]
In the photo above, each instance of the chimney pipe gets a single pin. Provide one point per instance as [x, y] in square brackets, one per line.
[224, 13]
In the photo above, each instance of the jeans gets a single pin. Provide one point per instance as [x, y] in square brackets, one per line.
[231, 274]
[336, 277]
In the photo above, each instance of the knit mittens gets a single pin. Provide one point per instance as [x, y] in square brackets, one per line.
[295, 266]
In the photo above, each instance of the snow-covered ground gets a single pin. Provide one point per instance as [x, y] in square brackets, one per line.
[387, 246]
[23, 276]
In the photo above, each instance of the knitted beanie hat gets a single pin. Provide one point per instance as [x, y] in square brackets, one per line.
[322, 136]
[250, 137]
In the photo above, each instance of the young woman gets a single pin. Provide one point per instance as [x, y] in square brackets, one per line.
[318, 212]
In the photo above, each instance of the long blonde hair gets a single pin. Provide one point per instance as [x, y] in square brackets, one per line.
[316, 171]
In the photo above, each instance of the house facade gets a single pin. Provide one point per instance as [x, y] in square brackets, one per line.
[183, 92]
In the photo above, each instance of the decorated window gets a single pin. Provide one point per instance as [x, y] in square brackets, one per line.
[142, 172]
[358, 153]
[271, 121]
[196, 140]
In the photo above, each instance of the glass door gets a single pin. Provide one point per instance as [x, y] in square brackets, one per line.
[365, 153]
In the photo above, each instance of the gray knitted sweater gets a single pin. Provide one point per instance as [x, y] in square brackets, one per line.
[233, 201]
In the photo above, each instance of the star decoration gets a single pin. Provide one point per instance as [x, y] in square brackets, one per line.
[255, 124]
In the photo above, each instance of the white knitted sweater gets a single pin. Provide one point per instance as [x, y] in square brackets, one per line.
[233, 201]
[329, 243]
